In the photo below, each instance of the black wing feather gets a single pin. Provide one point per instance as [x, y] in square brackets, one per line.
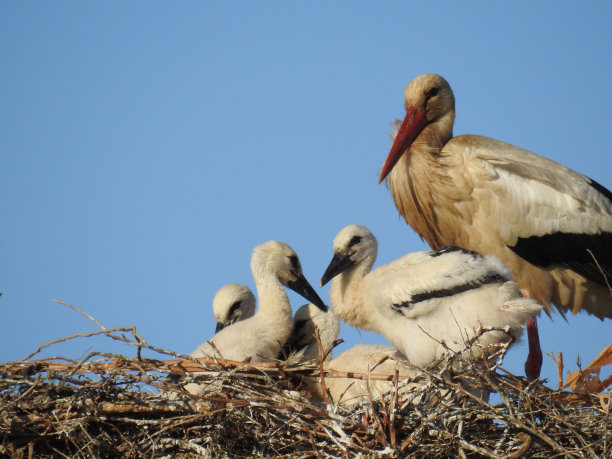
[577, 252]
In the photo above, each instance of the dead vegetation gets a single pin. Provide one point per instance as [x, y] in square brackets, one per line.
[116, 406]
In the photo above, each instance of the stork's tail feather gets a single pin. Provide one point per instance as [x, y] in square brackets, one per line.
[521, 310]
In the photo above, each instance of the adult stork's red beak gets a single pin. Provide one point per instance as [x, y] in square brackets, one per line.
[411, 127]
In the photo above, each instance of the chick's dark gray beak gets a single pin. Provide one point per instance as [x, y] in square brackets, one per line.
[339, 263]
[301, 286]
[220, 327]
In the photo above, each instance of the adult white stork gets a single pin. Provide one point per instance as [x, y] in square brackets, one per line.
[261, 338]
[425, 303]
[232, 303]
[549, 224]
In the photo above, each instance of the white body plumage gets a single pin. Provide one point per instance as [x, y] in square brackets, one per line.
[425, 302]
[261, 337]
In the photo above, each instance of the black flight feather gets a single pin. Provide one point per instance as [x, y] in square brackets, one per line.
[577, 252]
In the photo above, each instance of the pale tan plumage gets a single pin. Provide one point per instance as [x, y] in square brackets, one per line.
[368, 359]
[232, 303]
[485, 195]
[260, 338]
[362, 358]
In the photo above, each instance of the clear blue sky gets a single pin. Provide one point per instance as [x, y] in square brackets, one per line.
[147, 147]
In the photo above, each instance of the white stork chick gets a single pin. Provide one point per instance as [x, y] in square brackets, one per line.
[232, 303]
[368, 359]
[306, 320]
[546, 222]
[424, 302]
[261, 338]
[359, 359]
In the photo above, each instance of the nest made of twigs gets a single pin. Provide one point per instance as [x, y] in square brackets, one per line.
[110, 405]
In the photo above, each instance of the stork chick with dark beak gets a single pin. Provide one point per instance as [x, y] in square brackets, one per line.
[425, 303]
[260, 338]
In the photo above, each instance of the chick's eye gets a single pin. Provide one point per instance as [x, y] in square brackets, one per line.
[433, 92]
[354, 240]
[234, 308]
[295, 264]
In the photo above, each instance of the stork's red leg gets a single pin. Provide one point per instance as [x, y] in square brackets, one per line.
[533, 364]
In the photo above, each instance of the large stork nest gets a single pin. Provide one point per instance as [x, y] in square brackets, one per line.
[109, 405]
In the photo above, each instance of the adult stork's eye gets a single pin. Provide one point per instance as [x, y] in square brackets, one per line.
[433, 92]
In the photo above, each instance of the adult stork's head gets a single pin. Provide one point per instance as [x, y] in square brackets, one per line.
[430, 105]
